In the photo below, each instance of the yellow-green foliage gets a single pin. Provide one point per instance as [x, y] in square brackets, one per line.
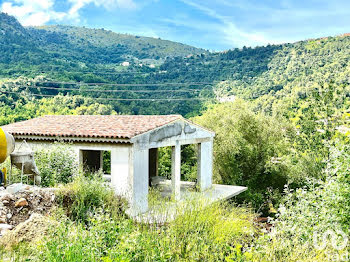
[249, 149]
[214, 232]
[217, 232]
[211, 233]
[306, 214]
[83, 196]
[57, 164]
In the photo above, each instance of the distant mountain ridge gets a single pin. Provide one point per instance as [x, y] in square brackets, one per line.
[107, 38]
[269, 75]
[80, 44]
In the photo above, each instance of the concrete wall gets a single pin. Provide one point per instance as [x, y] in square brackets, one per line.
[121, 161]
[121, 171]
[129, 169]
[139, 201]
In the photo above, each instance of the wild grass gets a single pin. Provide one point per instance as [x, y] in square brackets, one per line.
[212, 233]
[82, 197]
[92, 226]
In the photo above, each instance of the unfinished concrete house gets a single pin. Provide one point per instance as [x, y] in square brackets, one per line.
[133, 143]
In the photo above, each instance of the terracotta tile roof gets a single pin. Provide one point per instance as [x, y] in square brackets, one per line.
[88, 126]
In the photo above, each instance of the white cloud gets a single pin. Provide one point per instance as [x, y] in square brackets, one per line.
[232, 34]
[107, 4]
[40, 12]
[32, 12]
[247, 22]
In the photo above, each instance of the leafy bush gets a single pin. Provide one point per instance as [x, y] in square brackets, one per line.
[308, 213]
[249, 149]
[83, 196]
[57, 164]
[211, 233]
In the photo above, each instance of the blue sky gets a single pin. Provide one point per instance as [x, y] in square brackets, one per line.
[213, 25]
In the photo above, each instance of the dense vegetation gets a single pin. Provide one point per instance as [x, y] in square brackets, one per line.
[272, 75]
[90, 225]
[308, 214]
[285, 136]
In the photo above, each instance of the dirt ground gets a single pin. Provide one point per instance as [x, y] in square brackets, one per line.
[24, 214]
[39, 200]
[31, 230]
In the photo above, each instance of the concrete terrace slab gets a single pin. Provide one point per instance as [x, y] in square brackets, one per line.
[217, 192]
[167, 211]
[223, 192]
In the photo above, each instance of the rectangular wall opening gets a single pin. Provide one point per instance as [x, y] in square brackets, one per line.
[96, 160]
[163, 164]
[188, 162]
[91, 160]
[107, 162]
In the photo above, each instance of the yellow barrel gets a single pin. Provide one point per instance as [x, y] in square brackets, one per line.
[7, 145]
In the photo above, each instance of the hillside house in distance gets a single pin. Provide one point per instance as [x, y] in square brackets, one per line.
[133, 143]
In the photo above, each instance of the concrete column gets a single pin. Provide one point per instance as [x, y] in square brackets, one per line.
[176, 170]
[80, 158]
[139, 202]
[101, 160]
[153, 164]
[205, 165]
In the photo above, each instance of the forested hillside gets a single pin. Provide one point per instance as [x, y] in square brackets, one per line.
[163, 76]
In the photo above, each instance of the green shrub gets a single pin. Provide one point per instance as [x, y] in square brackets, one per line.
[315, 209]
[57, 164]
[217, 232]
[107, 162]
[83, 196]
[249, 149]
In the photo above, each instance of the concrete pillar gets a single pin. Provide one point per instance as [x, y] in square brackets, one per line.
[139, 202]
[176, 170]
[80, 158]
[153, 164]
[101, 160]
[205, 165]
